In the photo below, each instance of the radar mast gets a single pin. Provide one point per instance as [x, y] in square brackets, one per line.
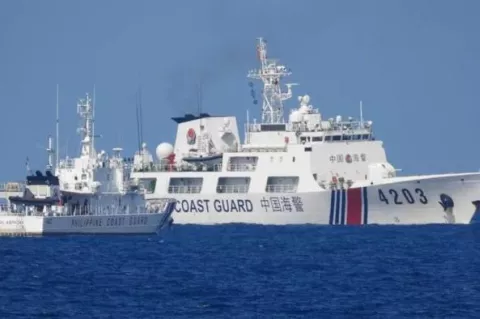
[85, 110]
[270, 74]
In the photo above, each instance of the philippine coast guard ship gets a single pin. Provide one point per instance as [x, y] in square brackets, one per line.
[309, 170]
[88, 194]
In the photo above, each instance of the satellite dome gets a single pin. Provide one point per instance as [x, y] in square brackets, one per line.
[306, 99]
[164, 150]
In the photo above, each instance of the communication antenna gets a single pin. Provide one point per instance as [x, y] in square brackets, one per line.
[50, 152]
[199, 97]
[85, 111]
[139, 115]
[271, 73]
[93, 118]
[57, 133]
[253, 93]
[361, 114]
[66, 148]
[247, 130]
[27, 166]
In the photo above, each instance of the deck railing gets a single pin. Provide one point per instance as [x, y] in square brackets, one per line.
[187, 168]
[232, 188]
[90, 210]
[193, 189]
[281, 188]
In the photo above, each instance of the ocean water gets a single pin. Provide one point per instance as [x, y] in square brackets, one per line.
[246, 271]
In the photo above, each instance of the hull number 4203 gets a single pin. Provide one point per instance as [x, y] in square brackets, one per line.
[402, 196]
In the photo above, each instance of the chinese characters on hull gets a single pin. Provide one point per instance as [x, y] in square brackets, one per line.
[282, 204]
[348, 158]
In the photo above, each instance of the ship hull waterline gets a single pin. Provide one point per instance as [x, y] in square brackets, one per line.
[84, 224]
[443, 199]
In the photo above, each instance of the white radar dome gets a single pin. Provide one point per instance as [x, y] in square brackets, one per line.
[164, 150]
[306, 99]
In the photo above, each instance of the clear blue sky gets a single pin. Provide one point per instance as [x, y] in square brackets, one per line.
[415, 64]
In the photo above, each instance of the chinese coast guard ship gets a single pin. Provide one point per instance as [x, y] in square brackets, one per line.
[309, 170]
[87, 194]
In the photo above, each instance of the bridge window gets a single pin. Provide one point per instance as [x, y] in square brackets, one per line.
[233, 184]
[241, 164]
[185, 185]
[148, 184]
[282, 184]
[348, 137]
[273, 127]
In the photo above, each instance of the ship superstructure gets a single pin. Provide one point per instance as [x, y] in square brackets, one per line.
[91, 193]
[308, 169]
[95, 177]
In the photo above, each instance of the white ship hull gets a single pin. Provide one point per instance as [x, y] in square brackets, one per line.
[84, 224]
[419, 201]
[307, 169]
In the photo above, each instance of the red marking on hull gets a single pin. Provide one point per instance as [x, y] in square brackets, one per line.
[354, 206]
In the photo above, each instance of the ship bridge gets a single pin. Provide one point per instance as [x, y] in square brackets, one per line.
[305, 125]
[276, 156]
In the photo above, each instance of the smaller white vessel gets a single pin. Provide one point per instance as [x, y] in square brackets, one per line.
[91, 193]
[41, 211]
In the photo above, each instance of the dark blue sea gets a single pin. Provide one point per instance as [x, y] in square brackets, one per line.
[241, 271]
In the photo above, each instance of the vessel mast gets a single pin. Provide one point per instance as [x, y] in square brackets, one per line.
[93, 118]
[270, 74]
[50, 152]
[57, 133]
[361, 114]
[85, 110]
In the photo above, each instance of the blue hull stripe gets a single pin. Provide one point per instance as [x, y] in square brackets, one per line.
[365, 205]
[332, 207]
[337, 207]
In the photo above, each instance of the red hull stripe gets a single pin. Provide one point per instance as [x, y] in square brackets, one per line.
[349, 207]
[354, 206]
